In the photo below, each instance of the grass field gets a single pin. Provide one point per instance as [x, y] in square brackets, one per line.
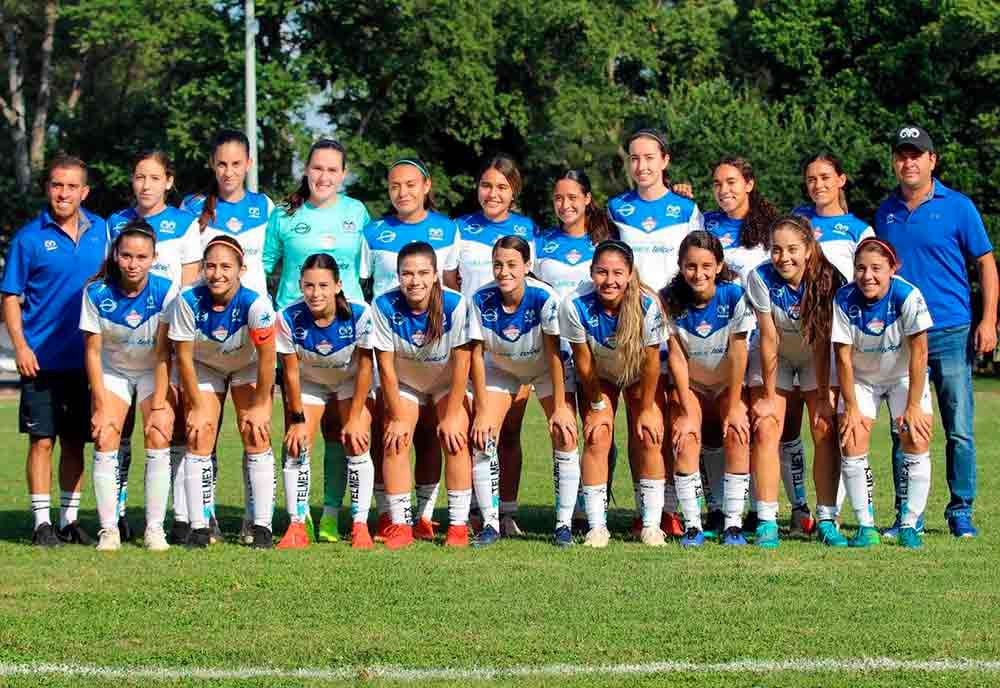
[492, 615]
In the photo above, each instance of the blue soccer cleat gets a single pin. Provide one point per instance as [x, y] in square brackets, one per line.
[766, 535]
[961, 526]
[892, 532]
[828, 534]
[693, 538]
[733, 536]
[910, 538]
[563, 537]
[486, 537]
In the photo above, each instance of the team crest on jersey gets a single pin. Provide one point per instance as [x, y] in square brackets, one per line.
[574, 257]
[794, 311]
[703, 329]
[133, 319]
[349, 227]
[386, 237]
[649, 224]
[876, 326]
[108, 305]
[511, 332]
[726, 240]
[473, 229]
[51, 245]
[551, 247]
[220, 333]
[324, 347]
[626, 210]
[435, 233]
[254, 212]
[168, 227]
[234, 225]
[817, 233]
[673, 211]
[345, 332]
[418, 338]
[520, 230]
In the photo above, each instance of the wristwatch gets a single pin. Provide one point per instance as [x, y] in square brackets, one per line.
[297, 417]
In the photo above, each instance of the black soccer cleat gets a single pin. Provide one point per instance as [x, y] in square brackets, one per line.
[73, 534]
[125, 531]
[45, 536]
[179, 532]
[262, 538]
[198, 538]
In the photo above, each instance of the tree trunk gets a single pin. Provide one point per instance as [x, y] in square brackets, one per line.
[14, 110]
[40, 120]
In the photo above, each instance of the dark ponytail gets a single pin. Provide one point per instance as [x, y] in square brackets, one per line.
[110, 272]
[598, 225]
[297, 198]
[324, 261]
[212, 197]
[435, 306]
[512, 242]
[757, 224]
[678, 295]
[429, 202]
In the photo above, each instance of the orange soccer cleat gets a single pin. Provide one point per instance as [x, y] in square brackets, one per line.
[382, 526]
[458, 536]
[295, 537]
[671, 524]
[424, 530]
[360, 539]
[398, 536]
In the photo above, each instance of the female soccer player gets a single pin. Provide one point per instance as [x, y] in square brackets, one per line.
[880, 325]
[713, 319]
[498, 188]
[421, 341]
[178, 257]
[793, 297]
[317, 218]
[127, 356]
[514, 327]
[223, 336]
[615, 327]
[326, 356]
[411, 194]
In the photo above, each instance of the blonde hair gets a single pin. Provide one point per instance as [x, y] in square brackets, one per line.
[628, 332]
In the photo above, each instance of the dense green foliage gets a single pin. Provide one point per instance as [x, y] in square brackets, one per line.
[556, 84]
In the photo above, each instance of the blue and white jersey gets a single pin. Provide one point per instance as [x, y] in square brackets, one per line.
[563, 260]
[400, 330]
[177, 239]
[654, 230]
[838, 236]
[325, 353]
[245, 221]
[128, 325]
[476, 237]
[705, 332]
[383, 240]
[515, 342]
[768, 292]
[224, 340]
[582, 319]
[740, 259]
[879, 332]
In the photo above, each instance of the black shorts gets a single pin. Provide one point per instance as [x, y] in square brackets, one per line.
[56, 404]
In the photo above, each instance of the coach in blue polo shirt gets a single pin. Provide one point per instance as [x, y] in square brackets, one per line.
[49, 261]
[935, 230]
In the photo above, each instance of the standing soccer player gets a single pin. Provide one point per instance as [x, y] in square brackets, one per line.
[49, 261]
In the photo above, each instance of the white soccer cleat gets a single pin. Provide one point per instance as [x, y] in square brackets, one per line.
[108, 540]
[246, 533]
[155, 540]
[653, 537]
[597, 538]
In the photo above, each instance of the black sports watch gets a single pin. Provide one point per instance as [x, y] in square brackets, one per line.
[297, 417]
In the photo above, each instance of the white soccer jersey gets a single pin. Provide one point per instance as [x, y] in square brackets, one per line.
[582, 319]
[705, 332]
[177, 239]
[128, 325]
[326, 354]
[564, 261]
[838, 237]
[476, 237]
[385, 238]
[879, 332]
[398, 329]
[515, 342]
[654, 230]
[740, 259]
[769, 293]
[223, 340]
[245, 221]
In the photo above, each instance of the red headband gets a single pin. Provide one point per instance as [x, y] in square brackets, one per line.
[219, 241]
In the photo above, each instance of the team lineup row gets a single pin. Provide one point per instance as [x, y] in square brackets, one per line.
[712, 328]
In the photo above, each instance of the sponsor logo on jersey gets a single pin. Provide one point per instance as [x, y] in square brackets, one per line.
[876, 326]
[234, 225]
[386, 236]
[673, 211]
[854, 312]
[776, 292]
[133, 319]
[553, 313]
[51, 245]
[529, 316]
[841, 228]
[398, 319]
[593, 321]
[712, 225]
[511, 332]
[418, 338]
[890, 218]
[220, 332]
[435, 233]
[649, 224]
[168, 227]
[473, 229]
[345, 331]
[520, 230]
[611, 342]
[301, 228]
[490, 315]
[108, 305]
[265, 318]
[722, 311]
[703, 328]
[254, 212]
[551, 247]
[300, 333]
[573, 256]
[324, 347]
[150, 303]
[626, 210]
[726, 240]
[349, 227]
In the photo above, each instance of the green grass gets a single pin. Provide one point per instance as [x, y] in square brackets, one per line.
[521, 603]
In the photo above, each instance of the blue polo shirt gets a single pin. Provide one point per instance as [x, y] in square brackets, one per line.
[934, 242]
[49, 269]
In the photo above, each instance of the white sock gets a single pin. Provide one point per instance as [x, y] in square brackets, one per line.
[841, 493]
[652, 501]
[486, 484]
[198, 487]
[793, 470]
[859, 484]
[734, 496]
[637, 496]
[459, 502]
[713, 461]
[177, 483]
[157, 486]
[40, 506]
[296, 476]
[124, 464]
[214, 458]
[106, 487]
[361, 484]
[826, 512]
[69, 508]
[917, 483]
[566, 475]
[687, 498]
[261, 469]
[767, 511]
[670, 498]
[381, 501]
[508, 508]
[248, 507]
[595, 500]
[400, 509]
[426, 499]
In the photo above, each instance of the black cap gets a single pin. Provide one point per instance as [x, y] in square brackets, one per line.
[914, 136]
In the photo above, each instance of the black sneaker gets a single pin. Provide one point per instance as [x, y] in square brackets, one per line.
[262, 538]
[197, 539]
[73, 534]
[179, 532]
[45, 536]
[751, 522]
[214, 532]
[125, 530]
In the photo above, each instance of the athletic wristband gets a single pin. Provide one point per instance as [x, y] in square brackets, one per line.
[297, 417]
[598, 405]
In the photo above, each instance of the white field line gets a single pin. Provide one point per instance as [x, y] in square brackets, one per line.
[401, 674]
